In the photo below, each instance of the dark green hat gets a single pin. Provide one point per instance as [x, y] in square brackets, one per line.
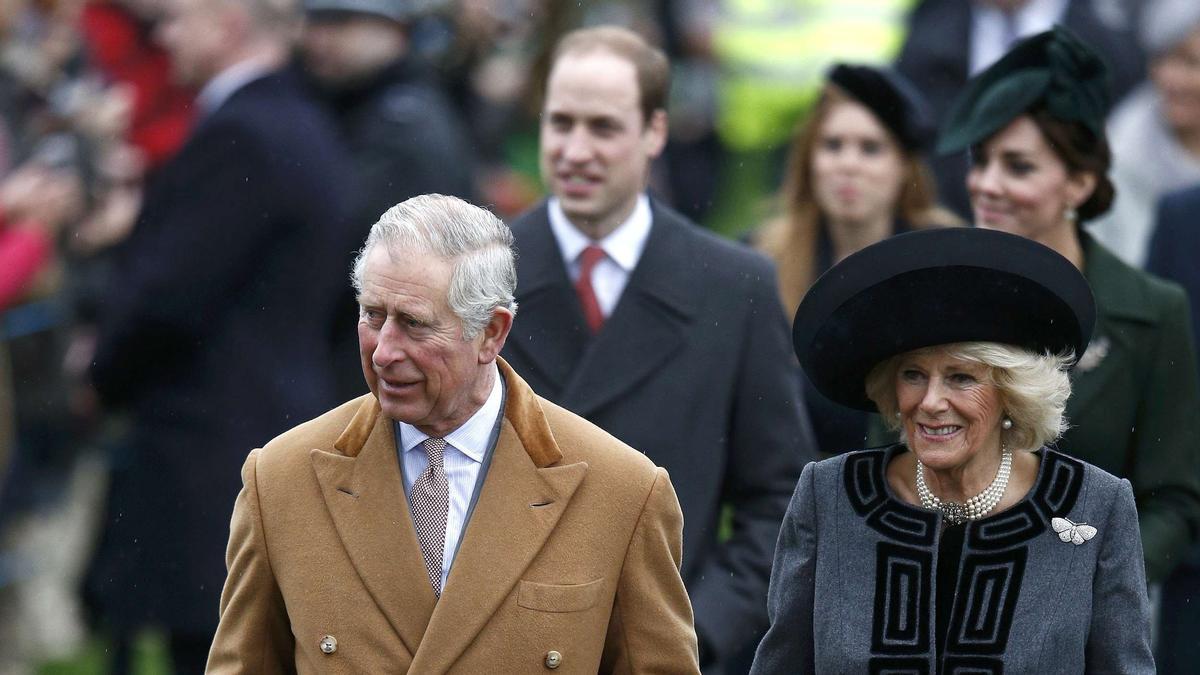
[1054, 69]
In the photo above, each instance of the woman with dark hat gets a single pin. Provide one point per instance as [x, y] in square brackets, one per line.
[1034, 122]
[855, 175]
[970, 546]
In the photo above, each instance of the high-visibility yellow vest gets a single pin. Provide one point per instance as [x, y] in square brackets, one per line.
[773, 55]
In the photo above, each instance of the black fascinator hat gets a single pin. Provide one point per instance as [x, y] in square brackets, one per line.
[893, 100]
[935, 287]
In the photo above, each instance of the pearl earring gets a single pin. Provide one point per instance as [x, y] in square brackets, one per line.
[1006, 424]
[897, 414]
[1070, 214]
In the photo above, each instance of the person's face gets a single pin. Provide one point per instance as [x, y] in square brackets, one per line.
[1019, 185]
[857, 168]
[347, 47]
[596, 147]
[1176, 74]
[949, 408]
[194, 34]
[414, 357]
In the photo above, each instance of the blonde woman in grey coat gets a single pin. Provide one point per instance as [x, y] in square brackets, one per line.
[971, 546]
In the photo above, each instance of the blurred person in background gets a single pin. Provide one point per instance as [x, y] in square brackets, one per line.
[1174, 252]
[1155, 132]
[403, 135]
[856, 175]
[230, 248]
[950, 41]
[621, 298]
[60, 117]
[771, 59]
[1034, 122]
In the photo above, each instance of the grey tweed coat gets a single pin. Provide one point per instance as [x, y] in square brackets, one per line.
[854, 581]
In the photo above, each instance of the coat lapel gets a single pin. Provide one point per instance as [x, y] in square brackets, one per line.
[550, 332]
[524, 494]
[1118, 304]
[364, 493]
[648, 325]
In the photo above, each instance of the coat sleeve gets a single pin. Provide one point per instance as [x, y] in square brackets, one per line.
[1166, 468]
[254, 635]
[1119, 637]
[651, 627]
[788, 645]
[770, 441]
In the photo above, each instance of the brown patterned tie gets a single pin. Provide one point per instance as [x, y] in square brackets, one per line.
[430, 502]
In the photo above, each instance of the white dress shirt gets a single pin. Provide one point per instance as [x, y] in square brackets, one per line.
[989, 36]
[465, 450]
[622, 249]
[226, 83]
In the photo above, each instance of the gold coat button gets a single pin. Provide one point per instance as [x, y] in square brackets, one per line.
[553, 659]
[329, 644]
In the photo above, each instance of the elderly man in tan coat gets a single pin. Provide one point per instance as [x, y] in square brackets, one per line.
[451, 520]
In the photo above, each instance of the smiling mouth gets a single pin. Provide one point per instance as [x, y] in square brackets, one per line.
[577, 181]
[942, 431]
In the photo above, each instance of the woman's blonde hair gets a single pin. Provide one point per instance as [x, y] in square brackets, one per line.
[1033, 388]
[790, 239]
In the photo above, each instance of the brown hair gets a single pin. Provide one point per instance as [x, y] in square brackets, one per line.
[650, 63]
[1081, 151]
[790, 239]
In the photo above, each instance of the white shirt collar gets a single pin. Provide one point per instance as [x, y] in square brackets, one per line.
[226, 83]
[987, 27]
[623, 245]
[473, 436]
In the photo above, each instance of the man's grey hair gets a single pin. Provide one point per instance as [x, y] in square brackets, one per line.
[472, 239]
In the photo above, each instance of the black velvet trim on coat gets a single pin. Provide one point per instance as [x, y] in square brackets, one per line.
[1057, 490]
[905, 524]
[864, 479]
[989, 582]
[903, 589]
[985, 601]
[889, 665]
[1011, 528]
[972, 665]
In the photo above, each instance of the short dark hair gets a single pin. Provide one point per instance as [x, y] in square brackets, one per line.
[1081, 150]
[650, 63]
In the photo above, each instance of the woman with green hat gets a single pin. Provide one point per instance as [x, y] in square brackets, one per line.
[1034, 123]
[970, 546]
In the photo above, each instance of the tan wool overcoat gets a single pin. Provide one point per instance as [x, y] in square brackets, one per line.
[570, 559]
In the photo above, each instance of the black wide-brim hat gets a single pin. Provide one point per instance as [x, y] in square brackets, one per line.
[935, 287]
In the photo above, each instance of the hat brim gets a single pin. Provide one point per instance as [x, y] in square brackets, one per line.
[937, 287]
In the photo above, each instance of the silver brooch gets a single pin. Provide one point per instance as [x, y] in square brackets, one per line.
[1071, 532]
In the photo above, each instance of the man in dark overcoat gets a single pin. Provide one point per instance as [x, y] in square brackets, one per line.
[214, 337]
[403, 135]
[665, 336]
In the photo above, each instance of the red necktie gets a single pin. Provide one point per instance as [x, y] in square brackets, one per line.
[583, 287]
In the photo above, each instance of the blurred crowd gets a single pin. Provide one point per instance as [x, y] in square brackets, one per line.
[107, 344]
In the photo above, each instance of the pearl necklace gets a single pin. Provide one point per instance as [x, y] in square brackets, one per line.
[976, 507]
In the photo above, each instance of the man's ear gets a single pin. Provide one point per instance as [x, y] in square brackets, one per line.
[495, 332]
[654, 137]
